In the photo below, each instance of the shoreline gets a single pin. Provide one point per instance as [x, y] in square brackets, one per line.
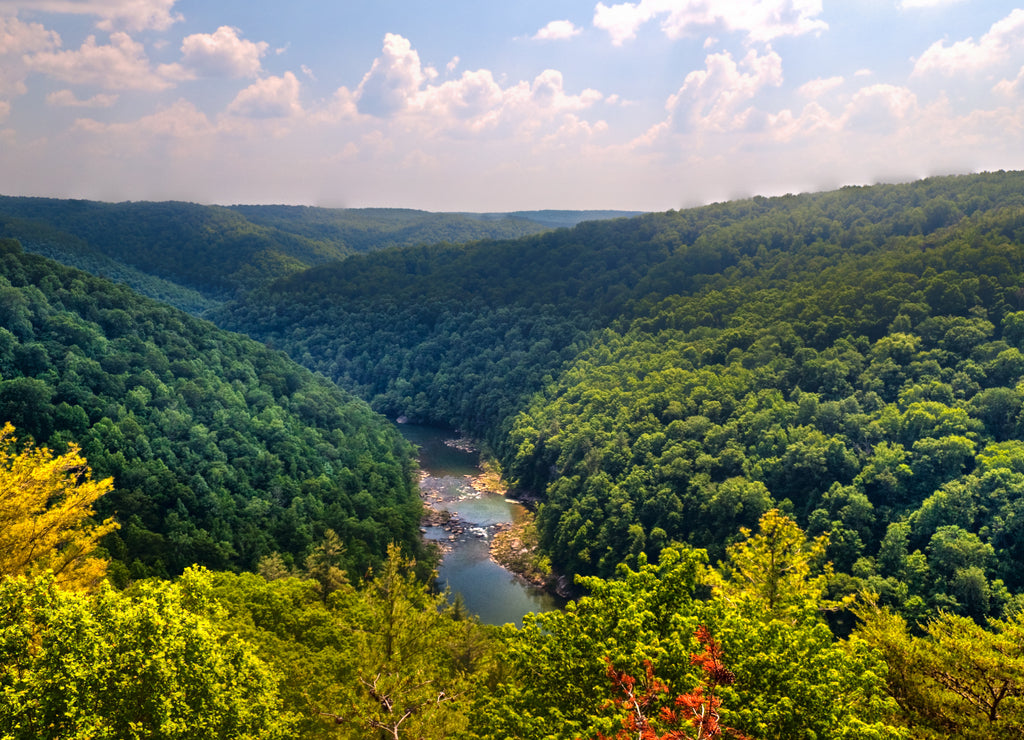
[512, 545]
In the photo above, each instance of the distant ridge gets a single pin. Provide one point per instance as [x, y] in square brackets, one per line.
[559, 219]
[211, 251]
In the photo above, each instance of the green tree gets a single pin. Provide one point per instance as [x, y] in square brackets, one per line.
[418, 664]
[960, 679]
[555, 666]
[310, 643]
[793, 678]
[324, 564]
[776, 570]
[150, 664]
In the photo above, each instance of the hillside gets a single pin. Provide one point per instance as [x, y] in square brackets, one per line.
[852, 357]
[222, 451]
[776, 440]
[216, 250]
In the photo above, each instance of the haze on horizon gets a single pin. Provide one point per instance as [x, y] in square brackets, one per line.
[468, 106]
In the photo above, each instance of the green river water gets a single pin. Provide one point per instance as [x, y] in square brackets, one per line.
[488, 590]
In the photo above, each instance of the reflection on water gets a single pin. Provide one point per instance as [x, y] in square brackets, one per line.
[487, 589]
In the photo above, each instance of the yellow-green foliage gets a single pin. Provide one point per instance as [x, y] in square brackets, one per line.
[119, 666]
[46, 501]
[960, 679]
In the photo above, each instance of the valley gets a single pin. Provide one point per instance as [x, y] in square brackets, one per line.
[794, 423]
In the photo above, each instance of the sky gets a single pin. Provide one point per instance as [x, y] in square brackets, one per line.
[502, 105]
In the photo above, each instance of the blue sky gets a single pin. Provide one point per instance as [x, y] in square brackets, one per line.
[496, 106]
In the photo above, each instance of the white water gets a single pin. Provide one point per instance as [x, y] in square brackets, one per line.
[487, 589]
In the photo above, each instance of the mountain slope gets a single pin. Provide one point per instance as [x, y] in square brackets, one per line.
[219, 250]
[852, 357]
[222, 451]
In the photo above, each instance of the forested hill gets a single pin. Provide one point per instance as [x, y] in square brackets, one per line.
[852, 357]
[369, 229]
[222, 451]
[218, 250]
[740, 421]
[560, 219]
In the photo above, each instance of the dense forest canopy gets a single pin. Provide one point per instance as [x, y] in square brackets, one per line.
[788, 429]
[850, 356]
[216, 251]
[222, 451]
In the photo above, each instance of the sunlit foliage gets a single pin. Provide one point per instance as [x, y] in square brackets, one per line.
[46, 505]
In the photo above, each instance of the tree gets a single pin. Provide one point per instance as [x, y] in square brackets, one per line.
[46, 502]
[555, 666]
[697, 708]
[793, 678]
[128, 666]
[310, 643]
[960, 679]
[323, 565]
[772, 570]
[417, 662]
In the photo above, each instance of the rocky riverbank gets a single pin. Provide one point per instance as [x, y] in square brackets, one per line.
[516, 547]
[464, 507]
[512, 545]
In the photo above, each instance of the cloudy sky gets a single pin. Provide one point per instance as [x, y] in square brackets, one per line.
[500, 105]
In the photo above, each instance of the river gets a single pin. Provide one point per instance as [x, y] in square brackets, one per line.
[488, 590]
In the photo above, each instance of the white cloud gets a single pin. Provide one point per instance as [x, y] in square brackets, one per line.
[548, 92]
[909, 4]
[393, 80]
[180, 121]
[475, 95]
[821, 86]
[474, 128]
[1010, 88]
[557, 31]
[67, 99]
[121, 65]
[342, 107]
[17, 37]
[12, 81]
[760, 20]
[621, 21]
[5, 109]
[880, 107]
[271, 97]
[879, 133]
[715, 98]
[813, 119]
[1004, 37]
[222, 54]
[131, 15]
[397, 87]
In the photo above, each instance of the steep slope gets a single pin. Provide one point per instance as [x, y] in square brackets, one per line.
[852, 357]
[222, 451]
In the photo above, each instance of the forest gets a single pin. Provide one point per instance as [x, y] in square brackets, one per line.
[192, 255]
[223, 452]
[850, 357]
[776, 441]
